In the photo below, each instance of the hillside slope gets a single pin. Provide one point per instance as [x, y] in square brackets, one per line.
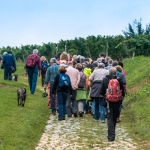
[137, 101]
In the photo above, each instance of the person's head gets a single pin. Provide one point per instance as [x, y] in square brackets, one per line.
[120, 63]
[74, 57]
[101, 65]
[52, 61]
[62, 69]
[43, 58]
[64, 56]
[95, 64]
[101, 55]
[112, 71]
[107, 59]
[70, 63]
[5, 53]
[85, 64]
[110, 61]
[118, 68]
[74, 63]
[35, 51]
[82, 59]
[115, 63]
[79, 67]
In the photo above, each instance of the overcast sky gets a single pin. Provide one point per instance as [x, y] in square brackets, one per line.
[36, 21]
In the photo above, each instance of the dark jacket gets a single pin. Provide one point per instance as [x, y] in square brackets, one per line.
[8, 61]
[105, 82]
[95, 89]
[57, 89]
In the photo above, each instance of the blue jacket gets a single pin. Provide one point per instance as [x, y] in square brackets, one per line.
[8, 61]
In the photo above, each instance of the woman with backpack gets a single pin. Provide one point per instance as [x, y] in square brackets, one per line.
[62, 86]
[81, 91]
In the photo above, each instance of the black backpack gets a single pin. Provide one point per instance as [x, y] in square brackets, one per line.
[82, 80]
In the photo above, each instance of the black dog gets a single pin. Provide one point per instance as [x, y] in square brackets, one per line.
[21, 93]
[15, 77]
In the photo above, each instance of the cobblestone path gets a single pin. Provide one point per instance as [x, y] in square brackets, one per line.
[82, 134]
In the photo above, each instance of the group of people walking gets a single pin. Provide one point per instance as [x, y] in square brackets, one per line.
[86, 88]
[79, 85]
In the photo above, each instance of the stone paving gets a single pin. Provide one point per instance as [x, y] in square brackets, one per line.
[63, 135]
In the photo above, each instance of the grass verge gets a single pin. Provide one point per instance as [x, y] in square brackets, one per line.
[21, 127]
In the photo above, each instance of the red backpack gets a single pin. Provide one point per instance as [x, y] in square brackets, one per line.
[113, 93]
[31, 61]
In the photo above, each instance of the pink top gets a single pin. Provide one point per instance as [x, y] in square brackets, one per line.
[73, 74]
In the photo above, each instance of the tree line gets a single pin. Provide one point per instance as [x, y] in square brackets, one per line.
[135, 41]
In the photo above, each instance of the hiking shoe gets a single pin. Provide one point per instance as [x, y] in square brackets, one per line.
[60, 119]
[69, 116]
[110, 140]
[102, 121]
[54, 113]
[75, 115]
[80, 114]
[96, 120]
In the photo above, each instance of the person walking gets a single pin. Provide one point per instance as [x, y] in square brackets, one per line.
[75, 79]
[112, 107]
[9, 66]
[33, 69]
[96, 79]
[81, 91]
[44, 65]
[51, 73]
[62, 86]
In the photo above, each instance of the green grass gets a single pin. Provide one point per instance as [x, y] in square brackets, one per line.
[21, 127]
[137, 102]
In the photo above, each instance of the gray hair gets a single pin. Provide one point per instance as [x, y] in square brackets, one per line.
[53, 60]
[35, 51]
[5, 53]
[101, 65]
[112, 71]
[115, 63]
[110, 61]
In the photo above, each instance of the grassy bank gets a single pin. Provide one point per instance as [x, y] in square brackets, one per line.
[21, 127]
[137, 101]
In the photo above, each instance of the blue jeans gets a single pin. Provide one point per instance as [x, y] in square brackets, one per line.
[86, 106]
[100, 110]
[62, 97]
[93, 107]
[7, 73]
[32, 78]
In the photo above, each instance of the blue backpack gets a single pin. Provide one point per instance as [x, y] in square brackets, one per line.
[44, 65]
[64, 80]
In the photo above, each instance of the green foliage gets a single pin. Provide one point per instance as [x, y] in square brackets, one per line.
[136, 40]
[137, 102]
[21, 127]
